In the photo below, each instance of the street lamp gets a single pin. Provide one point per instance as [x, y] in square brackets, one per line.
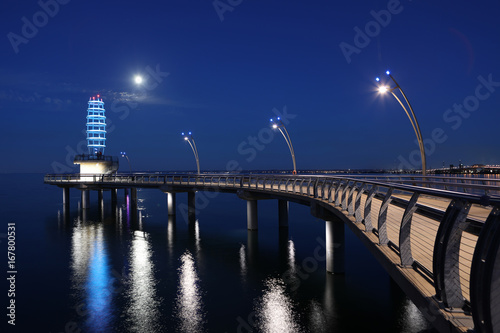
[124, 154]
[411, 115]
[189, 138]
[278, 124]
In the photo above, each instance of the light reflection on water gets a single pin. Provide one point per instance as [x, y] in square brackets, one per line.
[412, 319]
[243, 261]
[291, 255]
[143, 305]
[275, 310]
[91, 276]
[189, 307]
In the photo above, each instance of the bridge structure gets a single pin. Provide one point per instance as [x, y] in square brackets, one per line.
[437, 237]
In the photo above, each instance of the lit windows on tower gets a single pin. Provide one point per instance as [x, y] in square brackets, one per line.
[96, 126]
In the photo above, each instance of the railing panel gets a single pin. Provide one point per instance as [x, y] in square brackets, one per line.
[382, 217]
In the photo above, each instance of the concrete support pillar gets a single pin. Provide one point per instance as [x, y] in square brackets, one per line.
[66, 197]
[191, 205]
[133, 196]
[171, 203]
[335, 247]
[252, 222]
[100, 199]
[283, 213]
[114, 196]
[252, 247]
[85, 199]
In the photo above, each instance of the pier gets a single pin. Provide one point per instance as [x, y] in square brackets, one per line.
[437, 238]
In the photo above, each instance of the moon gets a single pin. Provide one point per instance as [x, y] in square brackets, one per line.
[138, 79]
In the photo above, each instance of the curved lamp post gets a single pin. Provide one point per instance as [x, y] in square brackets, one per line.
[278, 124]
[124, 154]
[189, 138]
[411, 115]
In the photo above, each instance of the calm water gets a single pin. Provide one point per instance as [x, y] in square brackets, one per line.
[139, 271]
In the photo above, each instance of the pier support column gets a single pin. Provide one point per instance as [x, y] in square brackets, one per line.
[252, 221]
[171, 203]
[100, 199]
[133, 196]
[283, 213]
[335, 247]
[85, 199]
[66, 197]
[114, 196]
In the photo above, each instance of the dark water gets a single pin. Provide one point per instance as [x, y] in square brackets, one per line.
[137, 271]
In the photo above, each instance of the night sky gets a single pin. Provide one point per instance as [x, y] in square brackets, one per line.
[221, 69]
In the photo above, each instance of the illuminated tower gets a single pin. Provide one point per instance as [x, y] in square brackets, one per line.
[95, 162]
[96, 126]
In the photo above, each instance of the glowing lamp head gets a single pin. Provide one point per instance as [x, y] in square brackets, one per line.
[189, 133]
[275, 126]
[271, 120]
[377, 79]
[383, 89]
[388, 72]
[186, 138]
[278, 118]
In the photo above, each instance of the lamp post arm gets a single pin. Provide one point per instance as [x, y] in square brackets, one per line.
[290, 146]
[408, 114]
[129, 166]
[414, 123]
[195, 155]
[409, 105]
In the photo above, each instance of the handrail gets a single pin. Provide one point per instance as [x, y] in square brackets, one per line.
[488, 195]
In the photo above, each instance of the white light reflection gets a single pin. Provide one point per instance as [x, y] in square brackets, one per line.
[275, 310]
[143, 309]
[91, 275]
[189, 303]
[197, 235]
[291, 255]
[171, 234]
[413, 319]
[317, 319]
[243, 261]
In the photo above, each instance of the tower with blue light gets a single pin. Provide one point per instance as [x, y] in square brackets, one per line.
[95, 162]
[96, 126]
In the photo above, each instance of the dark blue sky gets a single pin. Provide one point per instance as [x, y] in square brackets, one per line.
[229, 68]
